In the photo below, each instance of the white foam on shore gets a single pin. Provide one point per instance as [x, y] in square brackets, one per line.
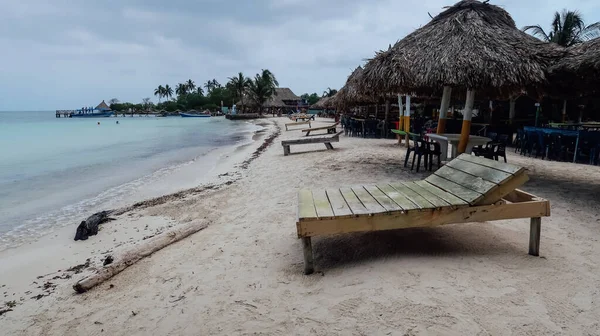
[201, 170]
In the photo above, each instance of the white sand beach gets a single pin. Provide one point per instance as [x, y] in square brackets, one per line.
[243, 274]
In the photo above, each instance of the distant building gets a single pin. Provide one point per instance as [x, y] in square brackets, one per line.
[284, 99]
[103, 107]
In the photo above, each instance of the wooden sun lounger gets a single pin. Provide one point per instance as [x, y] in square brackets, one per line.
[331, 129]
[297, 124]
[327, 140]
[467, 189]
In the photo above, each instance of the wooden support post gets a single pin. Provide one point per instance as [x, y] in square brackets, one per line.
[441, 129]
[564, 111]
[512, 110]
[401, 121]
[534, 236]
[286, 150]
[407, 120]
[309, 267]
[384, 132]
[328, 145]
[466, 126]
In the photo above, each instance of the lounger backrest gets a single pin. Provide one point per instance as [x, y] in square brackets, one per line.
[478, 181]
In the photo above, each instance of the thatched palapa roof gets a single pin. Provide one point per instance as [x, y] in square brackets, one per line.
[471, 45]
[325, 103]
[579, 71]
[282, 95]
[282, 98]
[102, 106]
[351, 94]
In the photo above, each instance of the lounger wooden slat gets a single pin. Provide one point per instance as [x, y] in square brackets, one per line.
[431, 198]
[353, 202]
[399, 198]
[382, 199]
[306, 207]
[446, 196]
[419, 200]
[511, 169]
[468, 181]
[455, 189]
[367, 200]
[492, 175]
[322, 205]
[446, 199]
[338, 203]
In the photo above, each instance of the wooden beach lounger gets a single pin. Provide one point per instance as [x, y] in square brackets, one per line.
[297, 124]
[327, 140]
[467, 189]
[331, 129]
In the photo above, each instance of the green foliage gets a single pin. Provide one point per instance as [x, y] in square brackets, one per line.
[329, 92]
[312, 98]
[568, 28]
[189, 96]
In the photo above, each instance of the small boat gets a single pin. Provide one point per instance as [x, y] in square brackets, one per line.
[194, 115]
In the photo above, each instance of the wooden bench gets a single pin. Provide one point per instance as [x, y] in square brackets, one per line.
[331, 129]
[297, 124]
[327, 140]
[467, 189]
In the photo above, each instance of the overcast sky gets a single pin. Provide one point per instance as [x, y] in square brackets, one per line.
[60, 54]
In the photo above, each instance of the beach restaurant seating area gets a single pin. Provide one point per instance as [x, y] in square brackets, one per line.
[577, 143]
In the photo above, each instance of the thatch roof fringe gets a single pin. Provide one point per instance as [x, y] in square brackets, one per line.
[471, 45]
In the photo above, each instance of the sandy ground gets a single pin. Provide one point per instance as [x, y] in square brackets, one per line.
[243, 274]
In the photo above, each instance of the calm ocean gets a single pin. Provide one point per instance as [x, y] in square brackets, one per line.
[53, 171]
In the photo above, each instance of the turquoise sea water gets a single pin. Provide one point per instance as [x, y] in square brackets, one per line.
[55, 169]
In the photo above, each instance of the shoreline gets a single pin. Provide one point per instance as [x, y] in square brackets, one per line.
[52, 262]
[178, 175]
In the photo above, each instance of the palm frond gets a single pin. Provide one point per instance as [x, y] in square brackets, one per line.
[537, 31]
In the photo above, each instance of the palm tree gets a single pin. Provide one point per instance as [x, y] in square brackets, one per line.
[262, 88]
[168, 91]
[190, 85]
[160, 92]
[568, 29]
[239, 85]
[200, 91]
[211, 84]
[329, 92]
[113, 101]
[268, 76]
[182, 89]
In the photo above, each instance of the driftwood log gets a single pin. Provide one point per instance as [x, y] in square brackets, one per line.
[89, 227]
[136, 253]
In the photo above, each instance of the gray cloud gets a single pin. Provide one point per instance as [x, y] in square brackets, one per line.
[60, 54]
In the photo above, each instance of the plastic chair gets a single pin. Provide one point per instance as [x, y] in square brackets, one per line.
[409, 149]
[420, 151]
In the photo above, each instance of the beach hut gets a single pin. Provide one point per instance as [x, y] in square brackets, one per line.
[284, 98]
[102, 107]
[469, 46]
[351, 94]
[578, 73]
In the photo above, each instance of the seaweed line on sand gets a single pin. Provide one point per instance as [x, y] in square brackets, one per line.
[266, 143]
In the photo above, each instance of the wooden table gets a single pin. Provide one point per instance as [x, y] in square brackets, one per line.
[454, 139]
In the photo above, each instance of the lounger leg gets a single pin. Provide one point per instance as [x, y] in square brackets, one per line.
[328, 145]
[286, 150]
[534, 236]
[309, 267]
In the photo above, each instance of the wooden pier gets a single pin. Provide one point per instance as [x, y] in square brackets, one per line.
[64, 113]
